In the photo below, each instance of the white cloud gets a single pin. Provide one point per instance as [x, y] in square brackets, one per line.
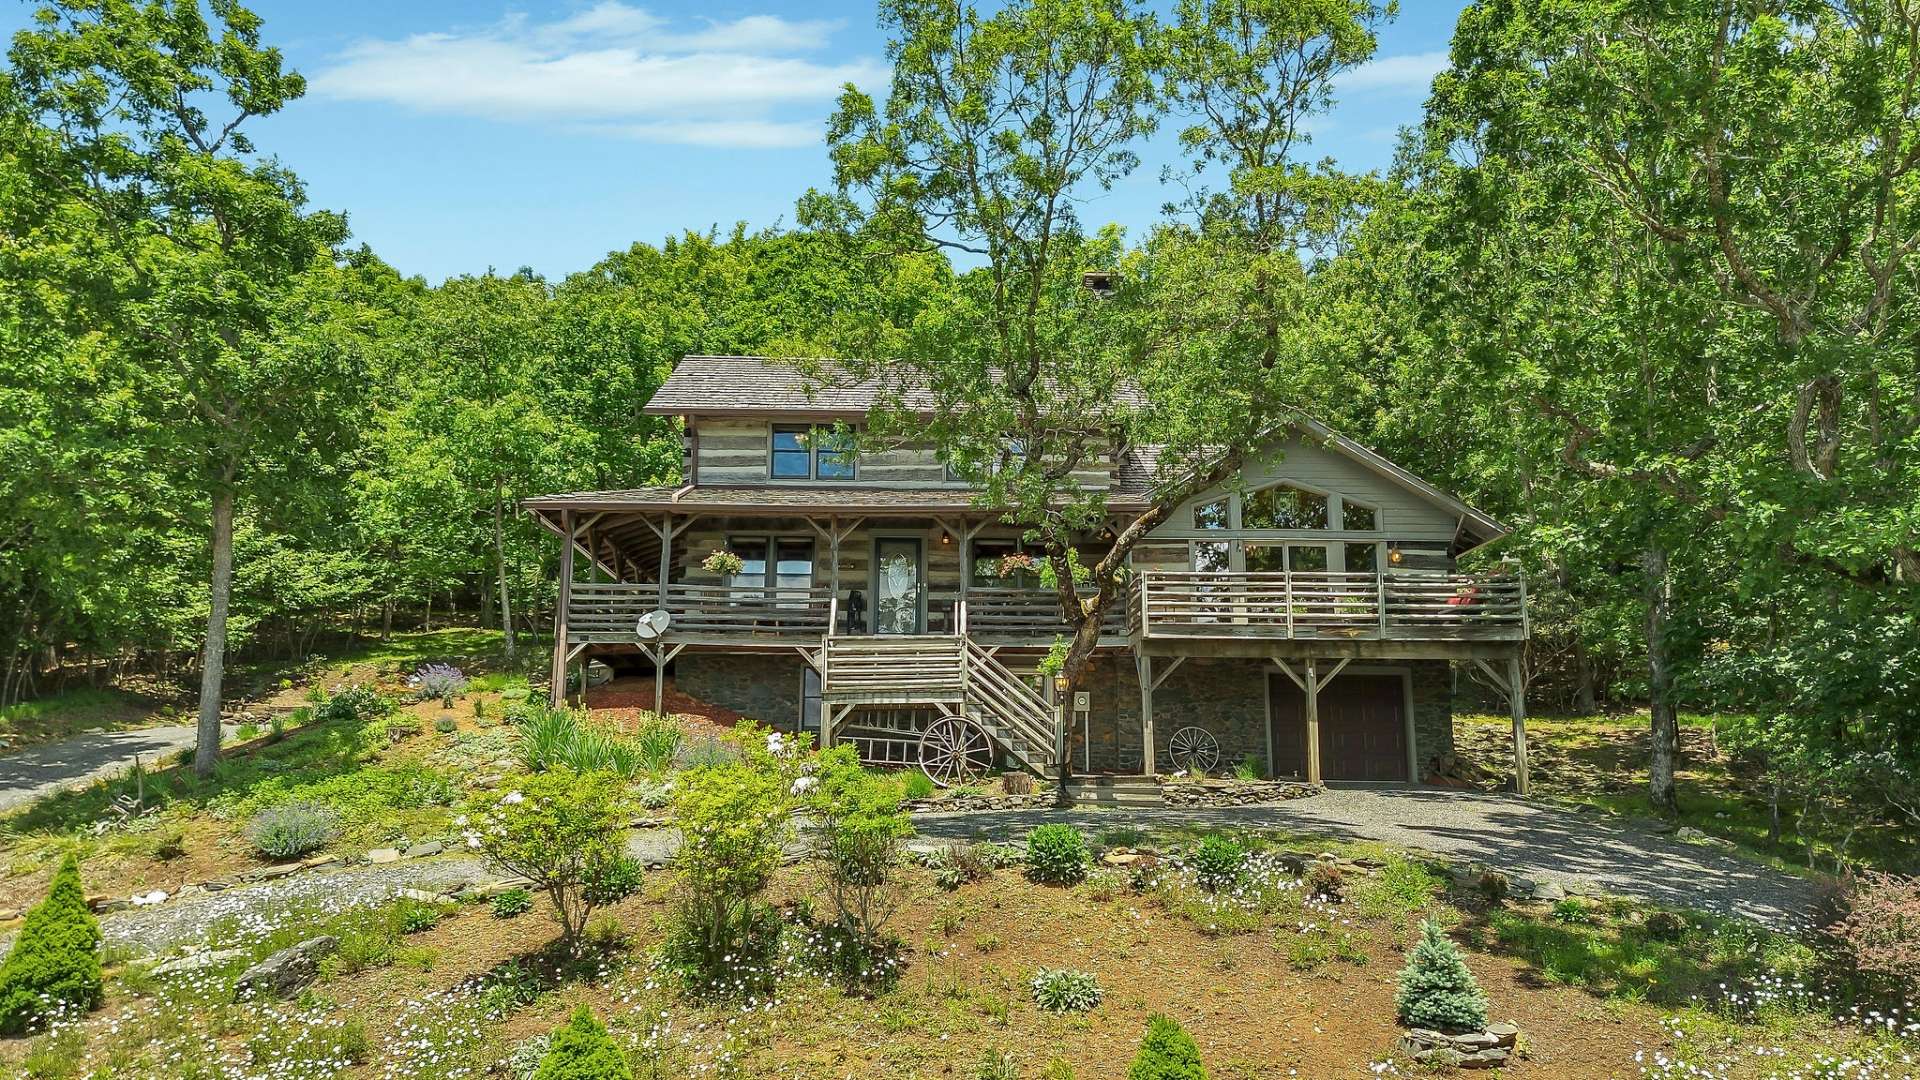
[616, 69]
[1406, 73]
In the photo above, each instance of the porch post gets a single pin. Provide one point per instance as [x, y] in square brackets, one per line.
[1313, 722]
[559, 689]
[1517, 696]
[833, 571]
[1143, 667]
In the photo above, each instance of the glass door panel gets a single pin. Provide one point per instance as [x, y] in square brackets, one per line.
[897, 587]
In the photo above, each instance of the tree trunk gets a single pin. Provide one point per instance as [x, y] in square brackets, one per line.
[500, 569]
[1666, 727]
[386, 619]
[214, 659]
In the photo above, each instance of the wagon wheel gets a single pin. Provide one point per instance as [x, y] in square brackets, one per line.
[954, 750]
[1194, 749]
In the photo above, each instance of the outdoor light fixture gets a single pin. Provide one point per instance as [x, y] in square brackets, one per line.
[1393, 556]
[946, 538]
[1060, 684]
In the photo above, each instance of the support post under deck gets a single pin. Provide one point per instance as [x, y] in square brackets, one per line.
[1517, 697]
[559, 688]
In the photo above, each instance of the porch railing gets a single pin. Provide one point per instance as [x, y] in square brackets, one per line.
[601, 611]
[1409, 606]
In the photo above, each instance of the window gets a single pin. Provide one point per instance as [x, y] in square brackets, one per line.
[1211, 515]
[752, 551]
[1359, 517]
[1211, 557]
[994, 565]
[789, 560]
[1283, 507]
[802, 452]
[1265, 558]
[793, 564]
[1362, 558]
[791, 458]
[1306, 557]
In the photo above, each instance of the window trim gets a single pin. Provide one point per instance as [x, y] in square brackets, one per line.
[1326, 496]
[1379, 516]
[809, 440]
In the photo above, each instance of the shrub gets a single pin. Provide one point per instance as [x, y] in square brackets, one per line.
[403, 726]
[1218, 863]
[858, 839]
[966, 862]
[653, 794]
[1572, 912]
[527, 1054]
[445, 725]
[997, 1065]
[918, 785]
[734, 823]
[615, 880]
[510, 903]
[168, 842]
[1881, 930]
[1436, 988]
[1250, 768]
[1325, 879]
[560, 830]
[557, 739]
[411, 916]
[1065, 990]
[582, 1050]
[1167, 1052]
[353, 705]
[656, 742]
[1057, 855]
[291, 830]
[1665, 926]
[443, 681]
[1493, 886]
[54, 966]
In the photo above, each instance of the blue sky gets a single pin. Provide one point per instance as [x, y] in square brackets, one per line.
[459, 136]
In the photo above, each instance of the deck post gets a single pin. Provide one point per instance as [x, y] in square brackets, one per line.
[666, 555]
[1517, 697]
[1143, 666]
[1313, 722]
[559, 688]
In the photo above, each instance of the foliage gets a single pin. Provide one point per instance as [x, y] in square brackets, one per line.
[858, 839]
[968, 861]
[917, 785]
[511, 902]
[1881, 930]
[443, 681]
[656, 742]
[53, 968]
[1436, 989]
[527, 1054]
[582, 1050]
[1218, 862]
[293, 829]
[1326, 880]
[722, 562]
[1167, 1052]
[561, 830]
[352, 705]
[613, 881]
[551, 738]
[1250, 768]
[1062, 990]
[1057, 855]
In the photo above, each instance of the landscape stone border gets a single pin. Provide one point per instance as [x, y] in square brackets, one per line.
[1489, 1049]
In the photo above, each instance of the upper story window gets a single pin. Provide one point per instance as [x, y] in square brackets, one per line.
[1283, 507]
[807, 452]
[1358, 517]
[1211, 515]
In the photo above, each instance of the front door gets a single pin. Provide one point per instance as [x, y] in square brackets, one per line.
[897, 587]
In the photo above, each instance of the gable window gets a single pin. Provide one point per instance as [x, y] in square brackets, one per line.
[807, 452]
[1283, 507]
[1211, 515]
[1358, 517]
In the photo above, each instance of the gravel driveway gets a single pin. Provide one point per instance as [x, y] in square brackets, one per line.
[1517, 836]
[39, 771]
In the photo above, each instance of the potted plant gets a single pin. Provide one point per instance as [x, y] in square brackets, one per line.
[723, 563]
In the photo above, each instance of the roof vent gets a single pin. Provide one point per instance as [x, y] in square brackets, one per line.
[1097, 282]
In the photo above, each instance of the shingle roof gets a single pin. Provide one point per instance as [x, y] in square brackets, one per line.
[733, 384]
[840, 499]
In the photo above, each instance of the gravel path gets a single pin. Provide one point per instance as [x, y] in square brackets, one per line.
[1517, 836]
[39, 771]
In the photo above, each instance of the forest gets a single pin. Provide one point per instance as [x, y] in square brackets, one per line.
[1641, 284]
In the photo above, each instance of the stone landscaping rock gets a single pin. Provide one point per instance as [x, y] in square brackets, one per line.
[280, 871]
[194, 961]
[421, 851]
[384, 855]
[1234, 792]
[284, 973]
[319, 860]
[8, 914]
[1548, 891]
[101, 904]
[1489, 1049]
[1034, 801]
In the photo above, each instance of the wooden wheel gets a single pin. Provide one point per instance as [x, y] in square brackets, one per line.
[1194, 749]
[954, 750]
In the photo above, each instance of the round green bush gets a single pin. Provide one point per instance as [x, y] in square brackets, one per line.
[1057, 855]
[1218, 863]
[293, 829]
[54, 967]
[1064, 990]
[1436, 989]
[512, 902]
[1167, 1052]
[582, 1050]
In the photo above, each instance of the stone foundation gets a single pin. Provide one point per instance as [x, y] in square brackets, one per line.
[762, 687]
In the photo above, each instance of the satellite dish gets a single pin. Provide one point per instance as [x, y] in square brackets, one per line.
[652, 624]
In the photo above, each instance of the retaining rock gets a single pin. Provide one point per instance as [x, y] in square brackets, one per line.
[284, 973]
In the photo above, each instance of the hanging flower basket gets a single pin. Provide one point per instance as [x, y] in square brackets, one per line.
[722, 562]
[1016, 563]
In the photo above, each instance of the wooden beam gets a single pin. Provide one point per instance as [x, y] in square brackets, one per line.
[1313, 722]
[1143, 665]
[1287, 670]
[1337, 669]
[558, 692]
[1168, 670]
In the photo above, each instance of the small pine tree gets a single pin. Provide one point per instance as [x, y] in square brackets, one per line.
[1167, 1052]
[582, 1050]
[1436, 989]
[55, 962]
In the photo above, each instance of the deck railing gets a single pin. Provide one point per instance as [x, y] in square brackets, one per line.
[602, 611]
[1404, 606]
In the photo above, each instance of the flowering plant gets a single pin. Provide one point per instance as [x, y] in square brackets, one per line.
[443, 681]
[722, 562]
[561, 830]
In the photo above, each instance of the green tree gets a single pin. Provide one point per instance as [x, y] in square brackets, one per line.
[54, 966]
[562, 831]
[1436, 989]
[190, 245]
[582, 1050]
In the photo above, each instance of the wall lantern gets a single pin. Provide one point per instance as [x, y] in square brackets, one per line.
[1393, 556]
[1060, 685]
[946, 538]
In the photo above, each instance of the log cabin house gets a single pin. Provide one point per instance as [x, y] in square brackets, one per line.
[1310, 616]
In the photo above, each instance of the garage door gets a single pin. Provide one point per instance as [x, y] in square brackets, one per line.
[1363, 727]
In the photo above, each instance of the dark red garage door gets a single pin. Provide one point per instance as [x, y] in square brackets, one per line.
[1363, 728]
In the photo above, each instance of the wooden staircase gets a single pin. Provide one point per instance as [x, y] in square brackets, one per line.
[945, 672]
[1114, 791]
